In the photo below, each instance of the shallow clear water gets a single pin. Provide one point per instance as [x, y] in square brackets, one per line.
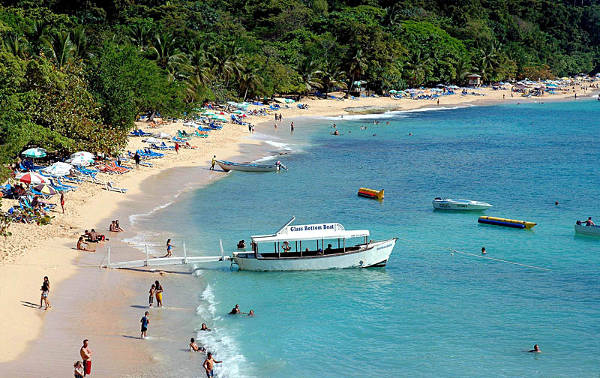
[430, 311]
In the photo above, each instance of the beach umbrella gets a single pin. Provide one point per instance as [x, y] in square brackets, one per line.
[239, 112]
[151, 140]
[289, 101]
[81, 161]
[219, 118]
[31, 178]
[85, 154]
[164, 136]
[393, 91]
[45, 189]
[208, 112]
[34, 153]
[58, 169]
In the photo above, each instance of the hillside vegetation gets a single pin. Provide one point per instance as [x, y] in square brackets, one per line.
[74, 74]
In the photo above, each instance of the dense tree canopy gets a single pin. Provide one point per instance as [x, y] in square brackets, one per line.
[75, 73]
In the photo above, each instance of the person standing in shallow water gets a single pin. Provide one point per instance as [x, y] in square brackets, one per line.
[159, 294]
[145, 321]
[151, 297]
[212, 162]
[86, 356]
[209, 365]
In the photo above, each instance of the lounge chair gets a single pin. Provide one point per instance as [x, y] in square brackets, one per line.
[111, 188]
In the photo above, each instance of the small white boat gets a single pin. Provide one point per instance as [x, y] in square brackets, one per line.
[581, 228]
[249, 167]
[459, 204]
[301, 247]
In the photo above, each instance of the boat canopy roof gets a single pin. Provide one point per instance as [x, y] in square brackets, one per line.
[311, 232]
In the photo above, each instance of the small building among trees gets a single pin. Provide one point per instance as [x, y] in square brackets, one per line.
[474, 80]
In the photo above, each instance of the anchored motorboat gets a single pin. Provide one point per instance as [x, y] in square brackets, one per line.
[459, 204]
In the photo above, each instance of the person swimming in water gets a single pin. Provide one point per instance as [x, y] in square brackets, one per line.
[235, 310]
[194, 347]
[536, 349]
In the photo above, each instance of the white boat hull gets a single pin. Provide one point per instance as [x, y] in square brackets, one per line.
[228, 166]
[375, 254]
[460, 205]
[587, 230]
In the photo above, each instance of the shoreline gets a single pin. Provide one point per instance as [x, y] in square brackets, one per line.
[29, 267]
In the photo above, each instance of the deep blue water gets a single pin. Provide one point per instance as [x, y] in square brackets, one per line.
[429, 312]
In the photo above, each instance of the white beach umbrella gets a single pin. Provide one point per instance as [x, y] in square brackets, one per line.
[151, 140]
[81, 161]
[58, 169]
[164, 136]
[85, 154]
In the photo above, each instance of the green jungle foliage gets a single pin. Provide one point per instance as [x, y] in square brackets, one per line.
[74, 74]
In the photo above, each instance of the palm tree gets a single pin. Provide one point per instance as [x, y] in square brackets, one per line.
[17, 45]
[307, 69]
[331, 76]
[358, 65]
[488, 61]
[60, 48]
[168, 56]
[250, 81]
[226, 65]
[462, 69]
[79, 40]
[139, 35]
[199, 66]
[419, 68]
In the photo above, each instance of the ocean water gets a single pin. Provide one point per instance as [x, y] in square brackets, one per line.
[430, 312]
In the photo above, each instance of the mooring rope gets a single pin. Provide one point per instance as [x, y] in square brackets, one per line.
[500, 260]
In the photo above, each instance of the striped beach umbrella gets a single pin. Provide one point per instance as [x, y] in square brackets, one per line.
[45, 189]
[31, 178]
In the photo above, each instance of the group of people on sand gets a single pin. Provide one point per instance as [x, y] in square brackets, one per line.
[83, 243]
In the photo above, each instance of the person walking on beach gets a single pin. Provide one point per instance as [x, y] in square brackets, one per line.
[158, 294]
[292, 127]
[151, 297]
[136, 157]
[209, 365]
[177, 147]
[86, 356]
[62, 201]
[212, 162]
[45, 292]
[145, 321]
[46, 283]
[169, 249]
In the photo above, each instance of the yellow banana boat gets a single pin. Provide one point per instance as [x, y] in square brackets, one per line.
[514, 223]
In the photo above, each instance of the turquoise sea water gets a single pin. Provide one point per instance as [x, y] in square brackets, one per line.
[429, 312]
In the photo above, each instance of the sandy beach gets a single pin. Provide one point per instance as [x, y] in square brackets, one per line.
[35, 251]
